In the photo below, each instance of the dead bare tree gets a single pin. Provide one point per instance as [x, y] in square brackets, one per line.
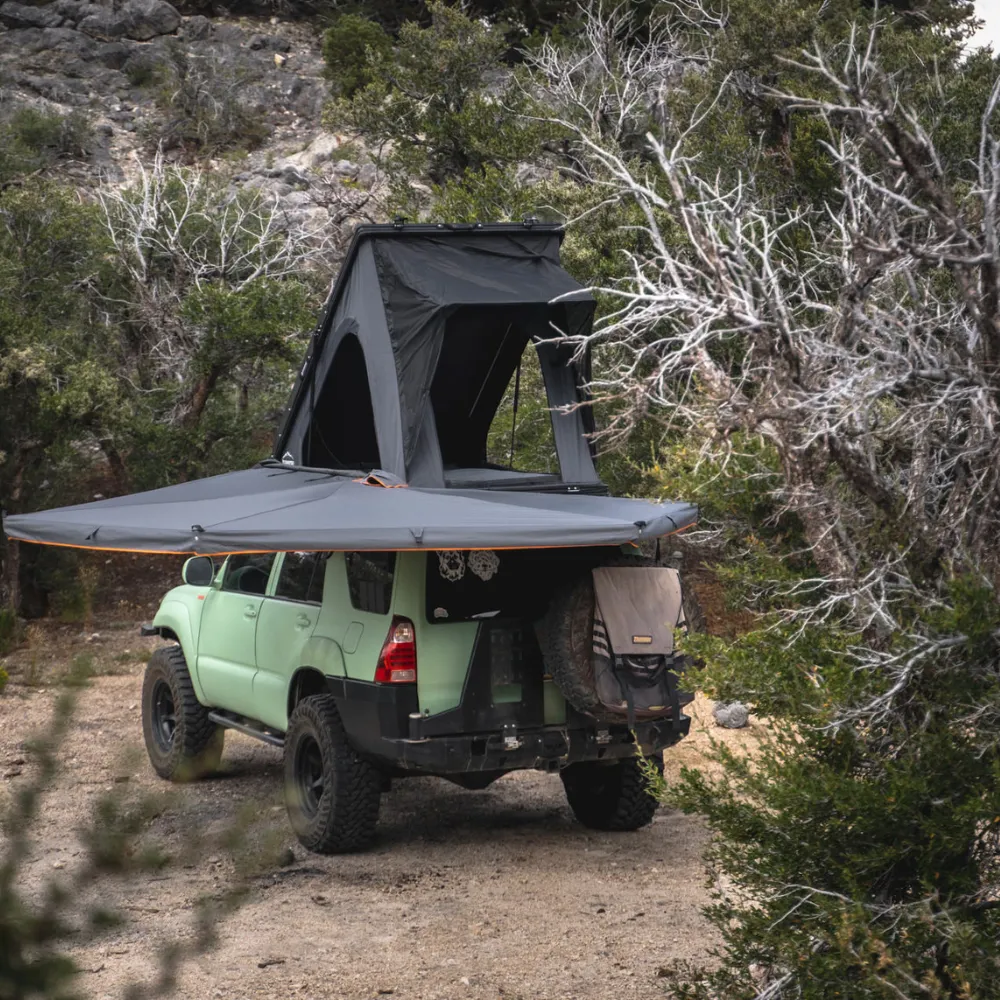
[174, 230]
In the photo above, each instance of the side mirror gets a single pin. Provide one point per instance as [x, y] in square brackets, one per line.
[198, 571]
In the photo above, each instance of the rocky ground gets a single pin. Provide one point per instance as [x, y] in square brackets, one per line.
[132, 70]
[487, 894]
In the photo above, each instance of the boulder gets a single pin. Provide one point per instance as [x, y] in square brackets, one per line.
[145, 19]
[103, 23]
[114, 55]
[74, 12]
[196, 29]
[17, 15]
[269, 43]
[345, 168]
[319, 150]
[731, 715]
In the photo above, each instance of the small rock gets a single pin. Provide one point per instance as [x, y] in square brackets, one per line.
[265, 962]
[731, 715]
[465, 981]
[58, 864]
[286, 858]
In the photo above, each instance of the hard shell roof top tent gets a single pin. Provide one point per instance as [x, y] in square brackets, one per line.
[417, 344]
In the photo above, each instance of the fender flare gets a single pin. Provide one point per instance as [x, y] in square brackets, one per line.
[173, 621]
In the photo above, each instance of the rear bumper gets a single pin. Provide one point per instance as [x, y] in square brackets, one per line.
[383, 723]
[548, 748]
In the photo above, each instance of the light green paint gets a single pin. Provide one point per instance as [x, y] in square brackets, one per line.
[444, 649]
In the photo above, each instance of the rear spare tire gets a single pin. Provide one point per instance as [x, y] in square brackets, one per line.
[181, 740]
[331, 793]
[566, 636]
[611, 795]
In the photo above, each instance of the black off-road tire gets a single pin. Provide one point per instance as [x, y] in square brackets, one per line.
[332, 794]
[566, 637]
[611, 795]
[182, 742]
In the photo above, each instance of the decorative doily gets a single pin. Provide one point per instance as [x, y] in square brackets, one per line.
[484, 563]
[451, 564]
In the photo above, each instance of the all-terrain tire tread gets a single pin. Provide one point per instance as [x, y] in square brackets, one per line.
[198, 740]
[348, 810]
[566, 638]
[625, 804]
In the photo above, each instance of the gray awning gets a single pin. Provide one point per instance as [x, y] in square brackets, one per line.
[278, 509]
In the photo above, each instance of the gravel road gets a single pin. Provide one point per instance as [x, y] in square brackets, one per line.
[487, 894]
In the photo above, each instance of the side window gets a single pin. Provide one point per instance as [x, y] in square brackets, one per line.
[248, 574]
[369, 579]
[301, 577]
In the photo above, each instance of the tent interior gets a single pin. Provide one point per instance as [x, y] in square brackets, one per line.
[482, 351]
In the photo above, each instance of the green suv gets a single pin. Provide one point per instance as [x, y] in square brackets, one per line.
[369, 666]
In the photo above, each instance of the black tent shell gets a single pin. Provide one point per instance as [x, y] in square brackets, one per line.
[418, 341]
[384, 443]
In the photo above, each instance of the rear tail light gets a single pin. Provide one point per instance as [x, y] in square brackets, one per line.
[397, 663]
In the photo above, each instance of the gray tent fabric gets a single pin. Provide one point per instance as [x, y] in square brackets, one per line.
[274, 509]
[438, 305]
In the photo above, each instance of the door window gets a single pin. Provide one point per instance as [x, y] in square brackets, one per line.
[301, 577]
[248, 574]
[369, 579]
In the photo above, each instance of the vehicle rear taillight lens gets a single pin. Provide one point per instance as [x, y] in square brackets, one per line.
[397, 663]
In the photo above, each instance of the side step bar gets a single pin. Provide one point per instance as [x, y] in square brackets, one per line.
[247, 727]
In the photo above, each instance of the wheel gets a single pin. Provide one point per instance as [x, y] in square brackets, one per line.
[610, 795]
[331, 793]
[566, 637]
[181, 740]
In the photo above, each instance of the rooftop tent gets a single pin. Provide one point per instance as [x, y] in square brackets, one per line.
[418, 342]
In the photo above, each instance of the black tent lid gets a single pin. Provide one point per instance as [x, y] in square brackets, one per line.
[410, 233]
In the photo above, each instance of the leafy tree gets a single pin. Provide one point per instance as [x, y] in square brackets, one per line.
[440, 104]
[346, 45]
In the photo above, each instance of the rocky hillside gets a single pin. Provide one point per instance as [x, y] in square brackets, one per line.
[240, 95]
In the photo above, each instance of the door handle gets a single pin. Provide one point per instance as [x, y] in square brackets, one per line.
[249, 611]
[303, 621]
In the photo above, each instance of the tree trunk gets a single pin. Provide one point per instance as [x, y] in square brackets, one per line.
[200, 396]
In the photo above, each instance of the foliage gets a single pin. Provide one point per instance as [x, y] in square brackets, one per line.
[352, 46]
[206, 104]
[143, 340]
[439, 104]
[72, 908]
[32, 140]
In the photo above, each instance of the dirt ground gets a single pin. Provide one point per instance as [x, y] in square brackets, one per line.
[488, 894]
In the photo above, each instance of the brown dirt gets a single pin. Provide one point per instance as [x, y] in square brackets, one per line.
[490, 894]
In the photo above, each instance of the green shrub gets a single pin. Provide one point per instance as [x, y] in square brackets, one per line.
[32, 140]
[352, 46]
[204, 104]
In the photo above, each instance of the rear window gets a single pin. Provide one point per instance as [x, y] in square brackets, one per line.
[301, 577]
[479, 585]
[369, 580]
